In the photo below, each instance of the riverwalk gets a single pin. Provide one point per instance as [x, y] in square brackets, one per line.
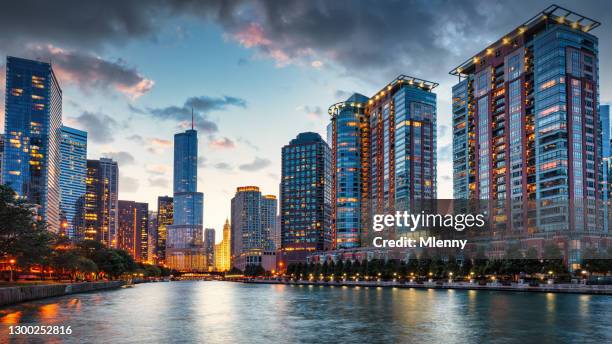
[542, 288]
[17, 294]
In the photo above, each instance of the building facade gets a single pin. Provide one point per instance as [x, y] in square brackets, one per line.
[32, 123]
[1, 154]
[252, 216]
[73, 176]
[185, 242]
[209, 248]
[165, 216]
[101, 202]
[526, 138]
[223, 250]
[383, 155]
[306, 194]
[132, 234]
[152, 238]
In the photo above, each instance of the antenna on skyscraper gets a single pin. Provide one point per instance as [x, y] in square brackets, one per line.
[192, 118]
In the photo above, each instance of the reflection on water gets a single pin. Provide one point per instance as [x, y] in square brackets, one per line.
[222, 312]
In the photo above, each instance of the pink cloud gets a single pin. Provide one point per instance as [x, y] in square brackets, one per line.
[222, 143]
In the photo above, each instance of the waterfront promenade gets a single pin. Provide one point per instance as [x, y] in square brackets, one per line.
[545, 288]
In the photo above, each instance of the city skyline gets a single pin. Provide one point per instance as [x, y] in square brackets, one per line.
[247, 88]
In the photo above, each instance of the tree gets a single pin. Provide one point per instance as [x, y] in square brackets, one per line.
[21, 236]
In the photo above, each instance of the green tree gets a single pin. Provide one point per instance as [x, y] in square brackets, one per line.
[22, 237]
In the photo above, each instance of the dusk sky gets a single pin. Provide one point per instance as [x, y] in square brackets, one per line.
[256, 74]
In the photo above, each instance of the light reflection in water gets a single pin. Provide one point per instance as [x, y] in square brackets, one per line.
[222, 312]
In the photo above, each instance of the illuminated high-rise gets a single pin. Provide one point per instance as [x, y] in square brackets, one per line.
[185, 242]
[101, 202]
[306, 194]
[133, 230]
[165, 215]
[223, 250]
[209, 248]
[526, 138]
[73, 175]
[32, 123]
[383, 156]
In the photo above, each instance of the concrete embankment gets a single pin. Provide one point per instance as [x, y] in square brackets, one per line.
[12, 295]
[544, 288]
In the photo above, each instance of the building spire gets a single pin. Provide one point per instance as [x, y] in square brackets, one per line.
[192, 118]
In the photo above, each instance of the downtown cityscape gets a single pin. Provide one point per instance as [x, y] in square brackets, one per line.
[527, 127]
[521, 134]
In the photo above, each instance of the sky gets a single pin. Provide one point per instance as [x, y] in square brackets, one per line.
[256, 73]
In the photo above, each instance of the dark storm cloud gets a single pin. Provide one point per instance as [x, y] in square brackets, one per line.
[100, 127]
[423, 37]
[201, 106]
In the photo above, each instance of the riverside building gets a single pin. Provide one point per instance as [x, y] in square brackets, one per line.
[526, 134]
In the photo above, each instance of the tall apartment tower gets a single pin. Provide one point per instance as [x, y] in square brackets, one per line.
[383, 156]
[253, 216]
[73, 176]
[133, 230]
[185, 242]
[152, 238]
[32, 123]
[101, 202]
[165, 215]
[306, 194]
[526, 138]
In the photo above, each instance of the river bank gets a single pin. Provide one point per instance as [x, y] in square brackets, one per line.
[18, 294]
[544, 288]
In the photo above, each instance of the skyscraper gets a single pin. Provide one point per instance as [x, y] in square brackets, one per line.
[269, 211]
[252, 217]
[222, 250]
[525, 131]
[33, 118]
[165, 215]
[133, 229]
[73, 175]
[152, 238]
[306, 194]
[209, 248]
[185, 244]
[1, 154]
[383, 155]
[606, 168]
[101, 201]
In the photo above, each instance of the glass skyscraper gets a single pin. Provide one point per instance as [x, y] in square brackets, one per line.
[526, 133]
[101, 202]
[306, 194]
[73, 175]
[209, 248]
[185, 242]
[33, 120]
[383, 156]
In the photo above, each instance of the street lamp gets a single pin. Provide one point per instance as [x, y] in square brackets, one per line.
[12, 261]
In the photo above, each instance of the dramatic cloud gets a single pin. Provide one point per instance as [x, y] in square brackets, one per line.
[89, 71]
[122, 158]
[201, 107]
[221, 143]
[255, 165]
[136, 138]
[100, 127]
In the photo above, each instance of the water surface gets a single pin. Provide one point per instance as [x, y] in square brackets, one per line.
[224, 312]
